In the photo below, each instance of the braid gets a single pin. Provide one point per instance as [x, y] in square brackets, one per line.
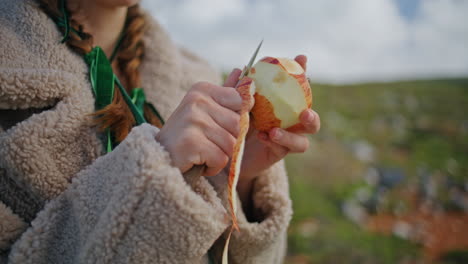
[80, 44]
[131, 54]
[132, 48]
[117, 116]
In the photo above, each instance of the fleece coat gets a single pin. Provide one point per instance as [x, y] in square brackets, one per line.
[62, 200]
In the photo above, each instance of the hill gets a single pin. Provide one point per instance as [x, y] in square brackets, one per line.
[385, 149]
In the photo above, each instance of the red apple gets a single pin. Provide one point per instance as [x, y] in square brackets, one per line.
[282, 93]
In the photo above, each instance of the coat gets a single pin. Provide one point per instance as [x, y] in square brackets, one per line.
[63, 200]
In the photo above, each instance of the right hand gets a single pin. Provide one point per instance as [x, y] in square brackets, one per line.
[204, 127]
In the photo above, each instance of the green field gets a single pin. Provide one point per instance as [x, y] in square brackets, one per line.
[416, 127]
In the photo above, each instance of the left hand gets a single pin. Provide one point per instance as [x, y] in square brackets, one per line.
[262, 150]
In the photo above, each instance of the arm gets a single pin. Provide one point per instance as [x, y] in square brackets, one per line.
[130, 206]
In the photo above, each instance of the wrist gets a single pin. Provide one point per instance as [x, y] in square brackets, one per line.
[244, 190]
[245, 185]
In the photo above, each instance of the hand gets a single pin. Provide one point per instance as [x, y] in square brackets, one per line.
[204, 127]
[262, 150]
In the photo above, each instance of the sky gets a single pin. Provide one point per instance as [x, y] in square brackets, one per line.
[345, 40]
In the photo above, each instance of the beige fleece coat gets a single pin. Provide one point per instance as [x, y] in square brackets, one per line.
[63, 201]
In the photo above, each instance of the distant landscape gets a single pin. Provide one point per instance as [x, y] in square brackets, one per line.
[386, 178]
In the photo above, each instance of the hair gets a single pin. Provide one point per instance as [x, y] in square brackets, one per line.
[116, 116]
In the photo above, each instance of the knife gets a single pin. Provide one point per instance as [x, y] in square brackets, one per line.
[192, 175]
[251, 62]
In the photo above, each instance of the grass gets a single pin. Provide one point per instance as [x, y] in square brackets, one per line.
[409, 125]
[337, 240]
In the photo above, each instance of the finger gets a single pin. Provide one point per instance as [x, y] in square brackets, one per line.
[302, 60]
[294, 142]
[211, 102]
[233, 78]
[215, 159]
[220, 137]
[278, 151]
[194, 141]
[311, 121]
[225, 118]
[202, 119]
[245, 85]
[226, 97]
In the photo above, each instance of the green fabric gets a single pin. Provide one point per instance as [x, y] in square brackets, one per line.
[103, 80]
[116, 48]
[137, 113]
[153, 109]
[210, 258]
[66, 21]
[139, 98]
[101, 76]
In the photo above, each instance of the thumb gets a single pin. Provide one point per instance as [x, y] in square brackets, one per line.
[233, 78]
[302, 60]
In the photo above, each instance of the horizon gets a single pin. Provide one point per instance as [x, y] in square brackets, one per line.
[402, 80]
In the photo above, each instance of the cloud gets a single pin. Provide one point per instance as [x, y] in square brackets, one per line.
[346, 41]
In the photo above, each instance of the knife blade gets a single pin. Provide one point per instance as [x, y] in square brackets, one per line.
[251, 62]
[192, 175]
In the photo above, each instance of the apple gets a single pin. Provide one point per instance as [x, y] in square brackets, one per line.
[282, 93]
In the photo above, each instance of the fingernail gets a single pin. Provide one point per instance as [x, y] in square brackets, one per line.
[310, 117]
[277, 134]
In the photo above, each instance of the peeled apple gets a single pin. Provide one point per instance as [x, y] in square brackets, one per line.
[281, 91]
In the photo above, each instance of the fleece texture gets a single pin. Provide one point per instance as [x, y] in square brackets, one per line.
[62, 200]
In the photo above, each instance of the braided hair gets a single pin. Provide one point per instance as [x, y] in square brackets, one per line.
[116, 116]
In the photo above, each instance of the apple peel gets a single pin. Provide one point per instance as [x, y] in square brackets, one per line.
[245, 88]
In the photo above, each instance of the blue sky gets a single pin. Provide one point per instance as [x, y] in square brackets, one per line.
[345, 41]
[408, 8]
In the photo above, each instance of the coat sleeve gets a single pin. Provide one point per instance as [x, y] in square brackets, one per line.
[263, 235]
[129, 206]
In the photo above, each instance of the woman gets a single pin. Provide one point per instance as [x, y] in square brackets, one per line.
[84, 186]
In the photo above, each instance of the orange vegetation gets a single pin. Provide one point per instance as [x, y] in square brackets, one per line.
[437, 232]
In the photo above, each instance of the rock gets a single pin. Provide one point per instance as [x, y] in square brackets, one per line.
[355, 212]
[308, 227]
[403, 230]
[391, 177]
[363, 151]
[372, 176]
[363, 194]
